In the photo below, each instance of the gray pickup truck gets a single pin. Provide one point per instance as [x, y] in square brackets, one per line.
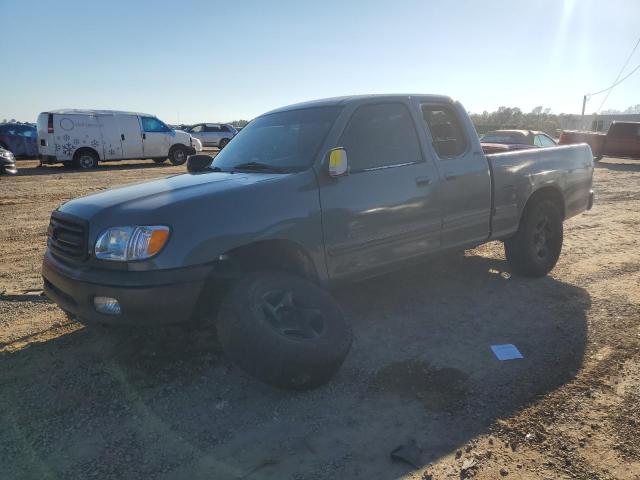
[303, 198]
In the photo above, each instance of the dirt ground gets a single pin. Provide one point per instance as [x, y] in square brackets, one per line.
[79, 403]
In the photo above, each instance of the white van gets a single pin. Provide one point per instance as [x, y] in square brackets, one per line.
[84, 137]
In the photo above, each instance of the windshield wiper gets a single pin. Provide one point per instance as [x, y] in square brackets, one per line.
[259, 167]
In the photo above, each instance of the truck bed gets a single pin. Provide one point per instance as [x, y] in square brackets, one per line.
[515, 175]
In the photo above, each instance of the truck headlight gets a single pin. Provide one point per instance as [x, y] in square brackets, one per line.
[123, 244]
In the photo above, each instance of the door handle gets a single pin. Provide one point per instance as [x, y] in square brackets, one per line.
[122, 136]
[144, 136]
[423, 181]
[450, 176]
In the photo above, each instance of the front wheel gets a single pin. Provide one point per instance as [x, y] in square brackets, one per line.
[283, 330]
[535, 248]
[177, 155]
[223, 143]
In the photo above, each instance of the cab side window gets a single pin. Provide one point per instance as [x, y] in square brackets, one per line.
[544, 141]
[449, 140]
[212, 128]
[150, 124]
[380, 135]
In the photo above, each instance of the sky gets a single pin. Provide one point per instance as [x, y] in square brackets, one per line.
[209, 61]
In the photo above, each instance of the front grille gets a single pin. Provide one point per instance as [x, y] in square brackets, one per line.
[67, 236]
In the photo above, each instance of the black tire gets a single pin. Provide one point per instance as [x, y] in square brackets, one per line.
[283, 330]
[85, 159]
[223, 143]
[535, 248]
[178, 155]
[598, 158]
[159, 161]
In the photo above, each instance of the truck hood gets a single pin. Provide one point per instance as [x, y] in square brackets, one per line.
[147, 198]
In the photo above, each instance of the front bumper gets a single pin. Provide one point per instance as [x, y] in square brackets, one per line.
[146, 298]
[8, 168]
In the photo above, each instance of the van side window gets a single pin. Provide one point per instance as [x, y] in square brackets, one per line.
[212, 128]
[197, 129]
[379, 136]
[449, 140]
[150, 124]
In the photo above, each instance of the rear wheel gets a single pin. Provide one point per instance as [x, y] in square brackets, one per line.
[535, 248]
[177, 155]
[283, 330]
[223, 143]
[85, 160]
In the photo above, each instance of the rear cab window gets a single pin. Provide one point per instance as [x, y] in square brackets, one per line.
[623, 130]
[449, 139]
[381, 136]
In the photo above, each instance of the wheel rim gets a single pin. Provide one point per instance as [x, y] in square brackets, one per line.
[289, 317]
[542, 237]
[223, 142]
[86, 161]
[179, 155]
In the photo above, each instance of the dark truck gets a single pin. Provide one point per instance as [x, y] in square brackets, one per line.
[305, 198]
[621, 140]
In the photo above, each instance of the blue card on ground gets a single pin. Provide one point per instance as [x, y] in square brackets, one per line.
[506, 352]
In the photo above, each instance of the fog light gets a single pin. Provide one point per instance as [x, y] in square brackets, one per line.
[107, 305]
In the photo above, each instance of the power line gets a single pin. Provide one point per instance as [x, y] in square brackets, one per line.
[617, 81]
[637, 67]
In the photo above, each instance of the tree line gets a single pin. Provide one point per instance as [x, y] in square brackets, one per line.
[539, 118]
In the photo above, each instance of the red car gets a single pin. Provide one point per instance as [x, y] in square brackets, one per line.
[506, 140]
[621, 140]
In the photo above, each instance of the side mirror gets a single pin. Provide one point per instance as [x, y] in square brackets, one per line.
[338, 162]
[198, 163]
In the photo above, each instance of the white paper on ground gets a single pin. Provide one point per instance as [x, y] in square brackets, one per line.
[506, 352]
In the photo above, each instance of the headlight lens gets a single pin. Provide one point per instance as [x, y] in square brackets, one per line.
[123, 244]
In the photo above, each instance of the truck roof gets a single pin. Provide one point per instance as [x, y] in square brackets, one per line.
[335, 101]
[79, 111]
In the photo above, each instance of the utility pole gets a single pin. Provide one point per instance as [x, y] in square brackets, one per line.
[584, 104]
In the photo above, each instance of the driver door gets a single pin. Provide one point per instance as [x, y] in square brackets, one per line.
[386, 209]
[156, 137]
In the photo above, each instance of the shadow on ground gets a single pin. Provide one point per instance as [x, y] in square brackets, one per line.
[619, 164]
[102, 167]
[166, 405]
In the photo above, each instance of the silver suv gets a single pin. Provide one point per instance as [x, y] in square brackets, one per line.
[213, 134]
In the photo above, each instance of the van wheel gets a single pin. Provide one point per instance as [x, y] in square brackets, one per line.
[535, 248]
[85, 160]
[177, 155]
[223, 143]
[283, 330]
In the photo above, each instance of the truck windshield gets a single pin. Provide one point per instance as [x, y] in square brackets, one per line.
[280, 142]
